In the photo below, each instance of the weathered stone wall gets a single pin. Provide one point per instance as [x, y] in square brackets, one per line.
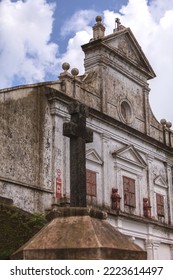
[25, 197]
[20, 136]
[25, 143]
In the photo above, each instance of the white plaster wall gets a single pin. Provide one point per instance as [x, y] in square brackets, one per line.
[117, 139]
[140, 243]
[164, 252]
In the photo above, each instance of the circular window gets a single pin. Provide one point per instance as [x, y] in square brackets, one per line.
[126, 112]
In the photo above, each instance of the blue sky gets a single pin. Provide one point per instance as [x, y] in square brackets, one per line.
[37, 36]
[65, 9]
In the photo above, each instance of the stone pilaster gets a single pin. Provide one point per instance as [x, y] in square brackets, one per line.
[150, 186]
[156, 250]
[118, 184]
[139, 197]
[105, 179]
[58, 116]
[146, 91]
[149, 249]
[57, 156]
[170, 193]
[103, 92]
[171, 249]
[152, 248]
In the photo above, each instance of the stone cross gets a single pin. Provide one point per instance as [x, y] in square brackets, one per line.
[117, 20]
[79, 135]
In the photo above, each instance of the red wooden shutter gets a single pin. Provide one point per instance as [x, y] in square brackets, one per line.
[129, 192]
[91, 182]
[160, 205]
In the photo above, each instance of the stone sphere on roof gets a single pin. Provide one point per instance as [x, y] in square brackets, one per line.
[163, 121]
[98, 18]
[168, 124]
[65, 66]
[74, 71]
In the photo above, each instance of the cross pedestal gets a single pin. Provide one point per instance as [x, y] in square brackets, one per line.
[79, 135]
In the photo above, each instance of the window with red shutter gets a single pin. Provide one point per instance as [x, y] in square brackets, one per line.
[129, 192]
[91, 183]
[160, 205]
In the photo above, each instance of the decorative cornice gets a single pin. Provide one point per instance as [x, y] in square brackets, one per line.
[132, 131]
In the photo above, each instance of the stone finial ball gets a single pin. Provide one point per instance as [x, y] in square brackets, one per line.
[168, 124]
[163, 121]
[98, 18]
[74, 71]
[65, 66]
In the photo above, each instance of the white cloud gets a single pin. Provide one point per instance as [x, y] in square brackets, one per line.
[79, 21]
[80, 24]
[74, 54]
[159, 7]
[25, 50]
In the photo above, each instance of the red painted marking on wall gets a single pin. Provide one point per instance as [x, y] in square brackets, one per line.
[58, 183]
[147, 207]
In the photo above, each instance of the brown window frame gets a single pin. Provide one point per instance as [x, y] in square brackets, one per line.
[129, 191]
[160, 205]
[91, 183]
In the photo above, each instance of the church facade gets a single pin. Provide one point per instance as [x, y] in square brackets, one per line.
[130, 161]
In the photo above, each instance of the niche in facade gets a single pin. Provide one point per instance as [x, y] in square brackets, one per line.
[126, 112]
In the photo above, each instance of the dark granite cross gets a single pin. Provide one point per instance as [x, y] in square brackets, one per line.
[79, 135]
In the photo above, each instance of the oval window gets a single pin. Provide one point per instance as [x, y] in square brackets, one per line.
[126, 112]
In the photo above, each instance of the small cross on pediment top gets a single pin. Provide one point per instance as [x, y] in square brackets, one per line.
[117, 24]
[117, 20]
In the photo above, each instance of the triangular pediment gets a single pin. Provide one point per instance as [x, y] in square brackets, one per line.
[160, 181]
[125, 45]
[93, 156]
[131, 155]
